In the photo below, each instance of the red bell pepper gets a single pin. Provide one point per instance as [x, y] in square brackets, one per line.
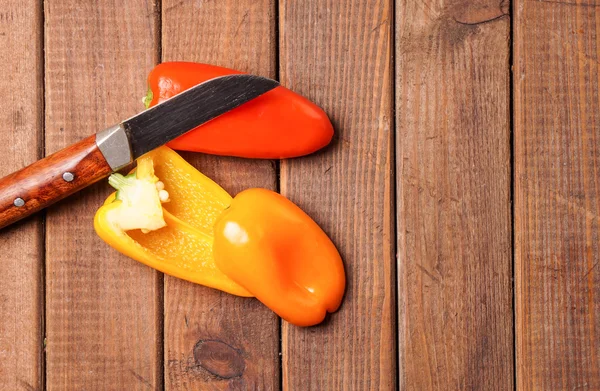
[279, 124]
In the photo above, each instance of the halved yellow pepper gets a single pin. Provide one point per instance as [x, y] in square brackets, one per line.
[179, 236]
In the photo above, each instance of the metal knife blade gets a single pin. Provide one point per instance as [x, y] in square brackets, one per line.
[192, 108]
[185, 111]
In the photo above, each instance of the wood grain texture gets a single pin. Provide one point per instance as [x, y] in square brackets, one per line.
[557, 194]
[453, 195]
[41, 184]
[21, 258]
[215, 341]
[338, 54]
[103, 313]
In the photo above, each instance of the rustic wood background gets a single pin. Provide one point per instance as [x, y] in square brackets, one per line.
[462, 189]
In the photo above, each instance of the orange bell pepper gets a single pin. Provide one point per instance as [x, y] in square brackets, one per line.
[279, 124]
[274, 250]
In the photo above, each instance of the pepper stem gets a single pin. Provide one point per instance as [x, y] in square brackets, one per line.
[117, 180]
[148, 98]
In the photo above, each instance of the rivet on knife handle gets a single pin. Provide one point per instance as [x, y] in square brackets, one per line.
[44, 182]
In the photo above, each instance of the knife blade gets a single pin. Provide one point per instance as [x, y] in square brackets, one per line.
[59, 175]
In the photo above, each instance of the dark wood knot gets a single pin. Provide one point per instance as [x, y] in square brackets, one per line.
[219, 359]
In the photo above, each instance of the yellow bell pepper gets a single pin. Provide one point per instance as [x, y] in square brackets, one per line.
[163, 215]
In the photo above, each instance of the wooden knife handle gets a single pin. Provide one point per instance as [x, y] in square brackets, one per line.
[50, 180]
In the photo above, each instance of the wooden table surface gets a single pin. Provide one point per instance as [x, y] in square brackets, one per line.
[462, 189]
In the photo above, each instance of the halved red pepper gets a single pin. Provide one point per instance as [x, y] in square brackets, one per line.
[280, 124]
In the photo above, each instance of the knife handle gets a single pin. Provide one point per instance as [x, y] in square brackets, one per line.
[50, 180]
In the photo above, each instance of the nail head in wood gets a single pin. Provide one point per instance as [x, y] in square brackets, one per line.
[19, 202]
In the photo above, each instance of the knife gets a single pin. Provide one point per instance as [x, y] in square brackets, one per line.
[59, 175]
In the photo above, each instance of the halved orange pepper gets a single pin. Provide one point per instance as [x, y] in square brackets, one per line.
[279, 124]
[273, 249]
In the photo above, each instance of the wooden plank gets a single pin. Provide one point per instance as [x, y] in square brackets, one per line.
[240, 335]
[453, 195]
[557, 194]
[338, 54]
[103, 309]
[21, 261]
